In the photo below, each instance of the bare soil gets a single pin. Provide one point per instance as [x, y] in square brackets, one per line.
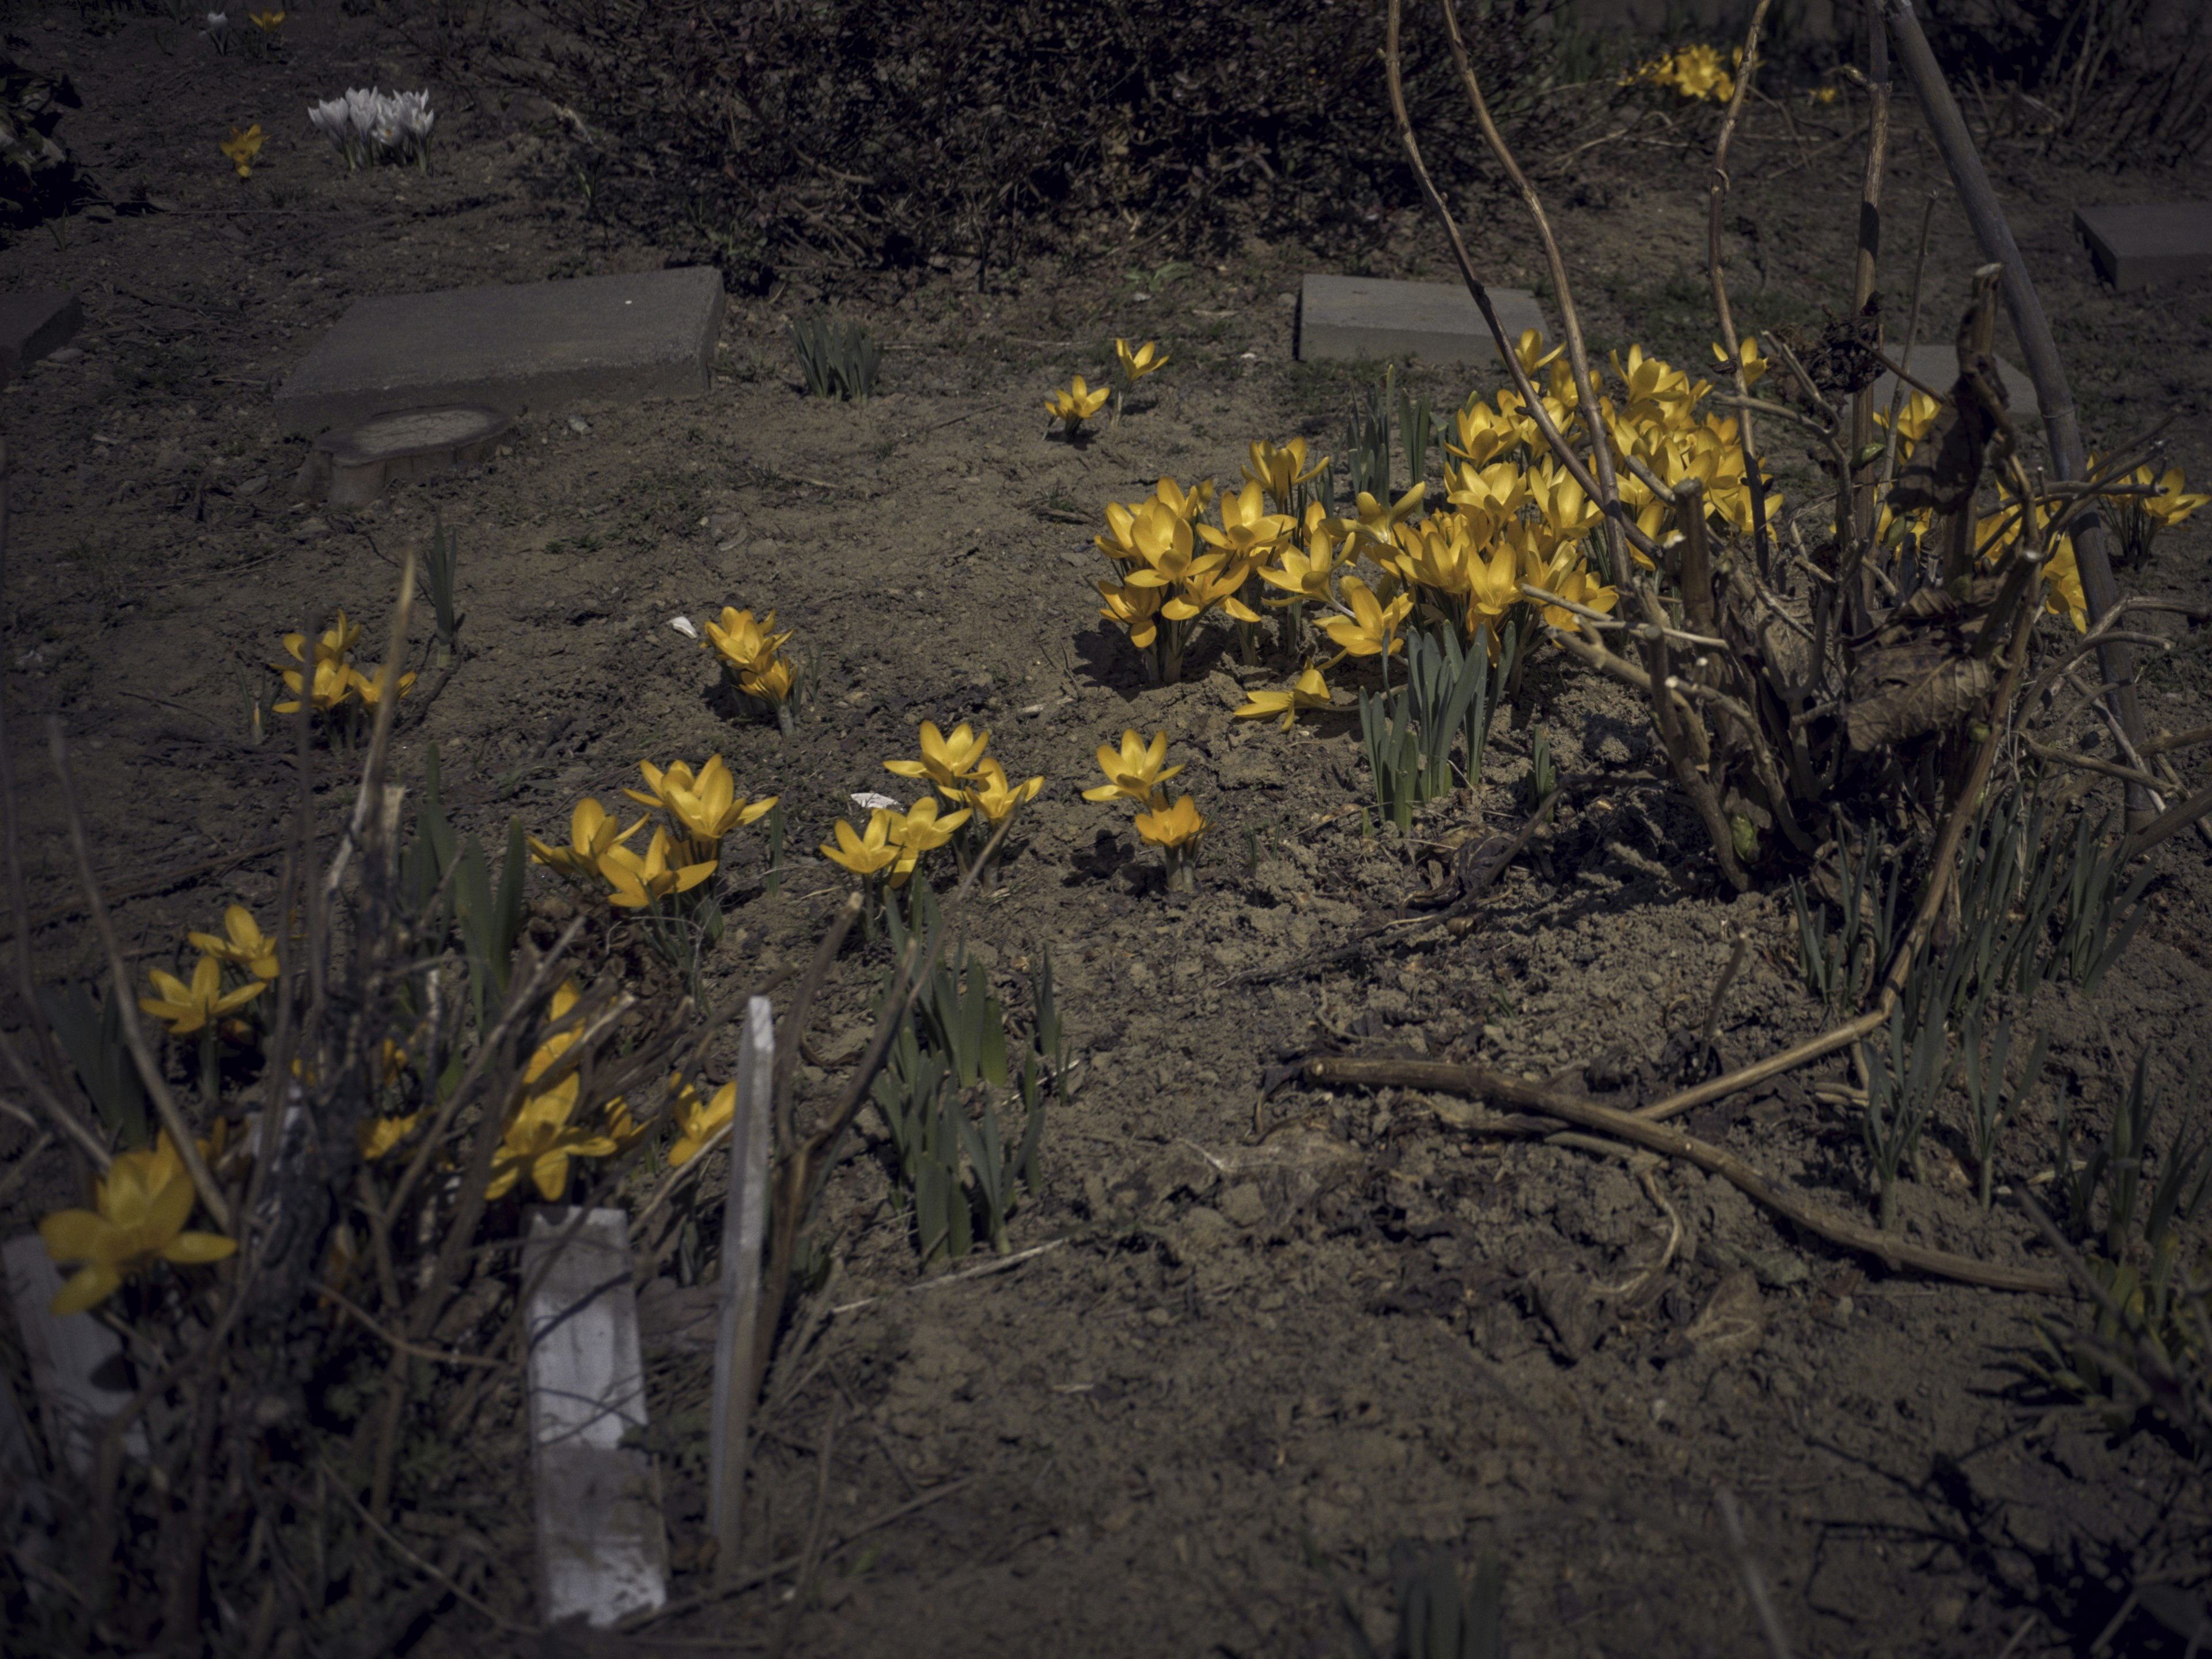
[1284, 1338]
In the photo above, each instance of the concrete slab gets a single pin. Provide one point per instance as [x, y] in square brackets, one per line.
[31, 325]
[1369, 317]
[1938, 365]
[2143, 246]
[535, 346]
[602, 1548]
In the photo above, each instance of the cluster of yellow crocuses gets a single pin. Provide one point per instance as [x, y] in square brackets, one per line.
[335, 681]
[697, 810]
[189, 1008]
[1904, 533]
[1694, 71]
[1139, 771]
[1512, 519]
[550, 1126]
[895, 843]
[1077, 401]
[751, 652]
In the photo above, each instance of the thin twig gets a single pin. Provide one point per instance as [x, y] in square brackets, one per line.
[1716, 268]
[811, 1557]
[999, 1265]
[420, 1565]
[777, 1569]
[438, 1356]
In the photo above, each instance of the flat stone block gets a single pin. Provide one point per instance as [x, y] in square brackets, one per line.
[31, 325]
[1369, 317]
[534, 346]
[1938, 365]
[2143, 246]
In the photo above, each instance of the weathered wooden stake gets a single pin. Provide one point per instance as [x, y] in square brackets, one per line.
[744, 1223]
[602, 1550]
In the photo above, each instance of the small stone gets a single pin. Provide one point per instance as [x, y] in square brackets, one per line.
[254, 485]
[1243, 1206]
[66, 355]
[579, 425]
[311, 529]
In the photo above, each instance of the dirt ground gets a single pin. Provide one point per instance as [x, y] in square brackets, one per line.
[1238, 1376]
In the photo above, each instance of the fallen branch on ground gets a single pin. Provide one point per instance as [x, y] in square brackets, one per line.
[1536, 1097]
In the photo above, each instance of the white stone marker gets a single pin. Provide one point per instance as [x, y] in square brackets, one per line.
[76, 1362]
[602, 1547]
[745, 1222]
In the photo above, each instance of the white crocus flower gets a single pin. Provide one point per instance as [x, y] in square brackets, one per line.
[330, 119]
[218, 30]
[411, 112]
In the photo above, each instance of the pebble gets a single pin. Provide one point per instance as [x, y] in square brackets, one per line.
[578, 424]
[309, 529]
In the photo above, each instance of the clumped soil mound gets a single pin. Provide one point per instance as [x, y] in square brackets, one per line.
[1273, 1342]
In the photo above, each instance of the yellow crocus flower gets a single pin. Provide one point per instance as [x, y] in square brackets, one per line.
[699, 1121]
[144, 1201]
[864, 856]
[706, 807]
[1372, 630]
[244, 943]
[333, 685]
[369, 687]
[1312, 691]
[992, 797]
[640, 880]
[1134, 608]
[1279, 469]
[1074, 403]
[240, 149]
[1135, 365]
[189, 1008]
[945, 761]
[743, 642]
[1189, 503]
[1176, 827]
[1136, 771]
[378, 1136]
[920, 830]
[591, 835]
[1247, 527]
[1303, 577]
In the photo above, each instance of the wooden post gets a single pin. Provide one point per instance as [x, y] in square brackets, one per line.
[602, 1550]
[76, 1362]
[745, 1224]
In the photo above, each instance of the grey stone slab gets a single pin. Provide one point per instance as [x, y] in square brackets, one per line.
[1372, 316]
[1938, 365]
[2143, 246]
[32, 324]
[533, 346]
[602, 1548]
